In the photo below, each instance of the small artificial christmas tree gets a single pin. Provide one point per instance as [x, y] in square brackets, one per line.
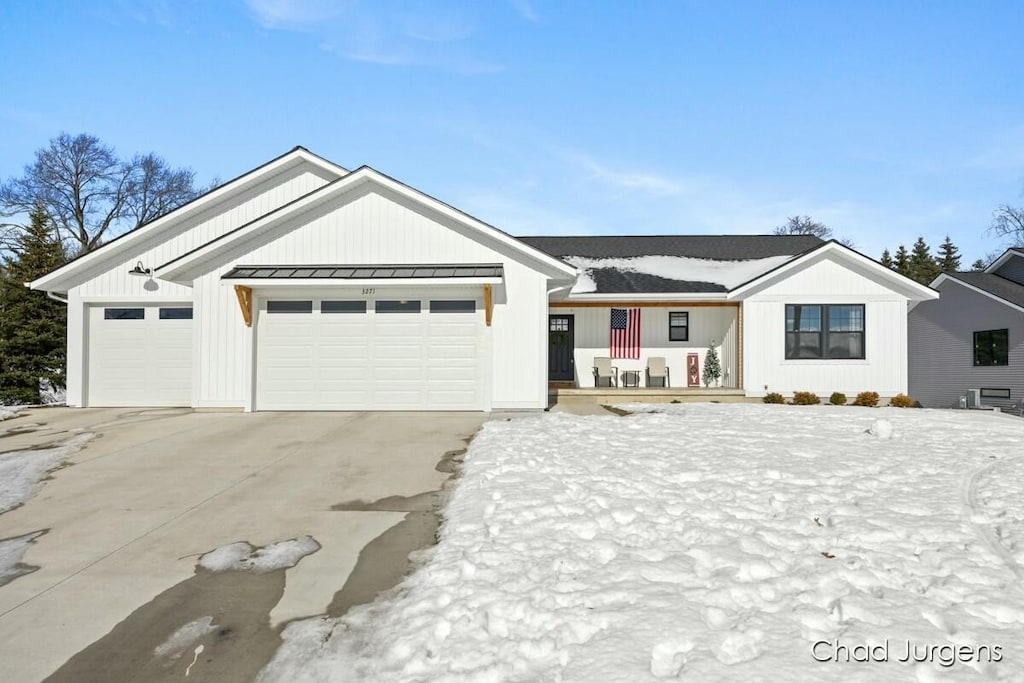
[712, 368]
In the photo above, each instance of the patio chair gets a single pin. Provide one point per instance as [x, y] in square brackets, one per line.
[605, 374]
[657, 372]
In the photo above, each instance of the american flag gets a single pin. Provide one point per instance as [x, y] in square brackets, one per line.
[624, 341]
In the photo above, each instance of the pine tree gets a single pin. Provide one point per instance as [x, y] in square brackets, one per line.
[32, 326]
[901, 263]
[922, 266]
[712, 368]
[886, 259]
[978, 266]
[948, 257]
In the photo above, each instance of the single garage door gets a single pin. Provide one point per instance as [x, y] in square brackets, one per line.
[336, 354]
[140, 355]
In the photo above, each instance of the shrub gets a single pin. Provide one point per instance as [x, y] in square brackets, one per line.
[805, 398]
[837, 398]
[774, 397]
[903, 401]
[866, 398]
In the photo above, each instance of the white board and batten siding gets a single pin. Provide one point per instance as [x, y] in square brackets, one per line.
[108, 285]
[707, 324]
[884, 368]
[376, 228]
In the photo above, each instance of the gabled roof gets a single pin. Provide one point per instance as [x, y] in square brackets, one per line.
[910, 288]
[995, 286]
[1004, 257]
[184, 264]
[124, 242]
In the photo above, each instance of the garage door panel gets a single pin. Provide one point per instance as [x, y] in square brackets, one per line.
[368, 361]
[139, 362]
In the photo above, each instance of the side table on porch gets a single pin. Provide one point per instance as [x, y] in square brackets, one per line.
[631, 378]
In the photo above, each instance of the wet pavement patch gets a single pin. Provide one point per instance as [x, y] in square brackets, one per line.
[214, 625]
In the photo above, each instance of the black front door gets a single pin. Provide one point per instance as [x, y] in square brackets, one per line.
[560, 347]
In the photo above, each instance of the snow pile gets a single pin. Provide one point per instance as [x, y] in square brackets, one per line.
[243, 556]
[21, 472]
[7, 412]
[729, 274]
[708, 542]
[11, 552]
[184, 637]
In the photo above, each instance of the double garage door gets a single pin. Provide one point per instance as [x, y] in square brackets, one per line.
[139, 355]
[382, 354]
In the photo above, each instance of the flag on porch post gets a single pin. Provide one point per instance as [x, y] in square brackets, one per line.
[624, 341]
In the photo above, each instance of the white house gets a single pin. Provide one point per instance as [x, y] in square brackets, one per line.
[304, 286]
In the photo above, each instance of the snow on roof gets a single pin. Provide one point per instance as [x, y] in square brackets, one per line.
[682, 269]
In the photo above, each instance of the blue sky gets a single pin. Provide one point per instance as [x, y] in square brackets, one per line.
[884, 120]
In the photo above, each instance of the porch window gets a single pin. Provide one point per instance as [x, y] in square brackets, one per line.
[678, 326]
[824, 331]
[992, 347]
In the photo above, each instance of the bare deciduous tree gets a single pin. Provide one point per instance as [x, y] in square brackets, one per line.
[1008, 222]
[805, 225]
[90, 193]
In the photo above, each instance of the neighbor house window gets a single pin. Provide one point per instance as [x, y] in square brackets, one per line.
[397, 307]
[995, 393]
[824, 331]
[289, 307]
[181, 313]
[124, 313]
[678, 326]
[992, 347]
[343, 307]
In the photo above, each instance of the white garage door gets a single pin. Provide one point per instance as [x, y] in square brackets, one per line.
[140, 355]
[332, 354]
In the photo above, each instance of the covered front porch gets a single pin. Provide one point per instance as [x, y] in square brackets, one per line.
[563, 393]
[680, 332]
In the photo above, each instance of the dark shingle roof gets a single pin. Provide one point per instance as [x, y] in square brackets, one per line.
[995, 285]
[615, 281]
[360, 272]
[717, 247]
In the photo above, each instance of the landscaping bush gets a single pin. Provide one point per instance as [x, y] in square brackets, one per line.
[774, 397]
[903, 401]
[837, 398]
[805, 398]
[866, 398]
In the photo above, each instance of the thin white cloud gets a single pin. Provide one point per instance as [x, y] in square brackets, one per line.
[643, 181]
[295, 14]
[525, 10]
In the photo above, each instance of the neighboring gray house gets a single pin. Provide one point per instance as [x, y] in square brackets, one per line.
[972, 337]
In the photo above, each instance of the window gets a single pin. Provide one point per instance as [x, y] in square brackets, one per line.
[289, 307]
[343, 307]
[182, 313]
[558, 323]
[124, 313]
[453, 306]
[995, 393]
[397, 307]
[824, 331]
[678, 326]
[992, 347]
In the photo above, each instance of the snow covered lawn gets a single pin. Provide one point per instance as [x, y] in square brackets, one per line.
[708, 542]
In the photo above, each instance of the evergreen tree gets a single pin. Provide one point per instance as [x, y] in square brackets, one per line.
[32, 326]
[923, 267]
[948, 257]
[901, 263]
[887, 259]
[712, 367]
[978, 266]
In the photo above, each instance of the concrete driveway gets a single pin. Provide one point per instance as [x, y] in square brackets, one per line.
[129, 516]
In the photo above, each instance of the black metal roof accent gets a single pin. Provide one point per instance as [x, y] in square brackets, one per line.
[996, 285]
[365, 272]
[715, 247]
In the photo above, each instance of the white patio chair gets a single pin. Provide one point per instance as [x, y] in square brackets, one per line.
[657, 372]
[605, 374]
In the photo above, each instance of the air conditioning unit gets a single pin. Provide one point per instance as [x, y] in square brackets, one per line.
[974, 398]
